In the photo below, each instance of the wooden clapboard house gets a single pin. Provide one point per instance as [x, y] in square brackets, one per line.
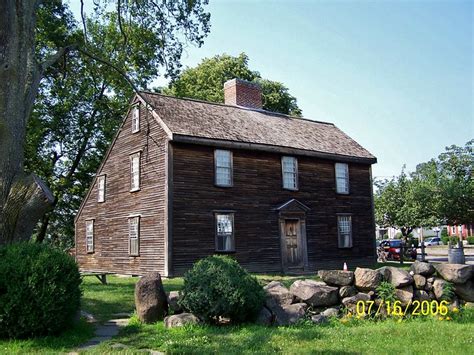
[184, 179]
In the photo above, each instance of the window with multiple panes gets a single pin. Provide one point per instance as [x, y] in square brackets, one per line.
[134, 235]
[135, 172]
[101, 188]
[90, 236]
[135, 119]
[225, 232]
[223, 167]
[344, 226]
[342, 178]
[289, 167]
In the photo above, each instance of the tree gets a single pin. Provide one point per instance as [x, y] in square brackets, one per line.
[38, 37]
[206, 82]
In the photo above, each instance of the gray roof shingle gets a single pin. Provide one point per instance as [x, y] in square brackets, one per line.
[188, 117]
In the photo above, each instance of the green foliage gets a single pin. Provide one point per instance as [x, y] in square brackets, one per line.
[39, 290]
[448, 291]
[218, 286]
[386, 291]
[470, 240]
[413, 241]
[444, 232]
[206, 82]
[453, 239]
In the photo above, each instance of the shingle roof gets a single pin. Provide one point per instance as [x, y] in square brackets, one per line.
[201, 119]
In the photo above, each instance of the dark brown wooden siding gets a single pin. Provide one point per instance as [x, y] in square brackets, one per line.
[111, 252]
[256, 192]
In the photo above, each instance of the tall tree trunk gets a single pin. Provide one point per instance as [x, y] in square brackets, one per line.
[23, 198]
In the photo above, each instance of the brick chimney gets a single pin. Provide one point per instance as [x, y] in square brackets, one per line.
[242, 93]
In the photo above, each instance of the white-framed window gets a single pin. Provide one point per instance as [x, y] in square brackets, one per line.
[223, 167]
[225, 232]
[134, 235]
[135, 172]
[342, 178]
[135, 119]
[90, 236]
[344, 228]
[101, 188]
[289, 167]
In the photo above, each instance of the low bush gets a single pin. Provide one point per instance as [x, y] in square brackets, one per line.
[218, 286]
[39, 290]
[454, 240]
[470, 240]
[386, 291]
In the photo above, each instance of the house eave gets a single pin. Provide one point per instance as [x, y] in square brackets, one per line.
[271, 148]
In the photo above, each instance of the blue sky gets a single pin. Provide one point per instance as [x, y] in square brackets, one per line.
[397, 76]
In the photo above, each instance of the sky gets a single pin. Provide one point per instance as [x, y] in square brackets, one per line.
[396, 76]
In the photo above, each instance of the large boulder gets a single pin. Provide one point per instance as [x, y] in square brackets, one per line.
[347, 291]
[291, 314]
[179, 320]
[173, 298]
[330, 312]
[404, 294]
[278, 293]
[264, 317]
[337, 277]
[367, 279]
[315, 293]
[319, 319]
[397, 277]
[456, 273]
[438, 288]
[351, 302]
[420, 281]
[150, 298]
[422, 268]
[465, 291]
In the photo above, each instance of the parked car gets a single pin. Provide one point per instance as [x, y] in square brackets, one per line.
[393, 247]
[433, 241]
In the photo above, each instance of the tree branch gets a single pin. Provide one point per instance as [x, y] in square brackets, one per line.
[83, 21]
[119, 17]
[53, 58]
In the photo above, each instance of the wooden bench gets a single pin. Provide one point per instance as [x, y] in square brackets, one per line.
[102, 276]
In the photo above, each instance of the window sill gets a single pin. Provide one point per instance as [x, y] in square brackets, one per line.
[345, 247]
[90, 252]
[135, 190]
[224, 186]
[133, 256]
[101, 201]
[133, 132]
[343, 193]
[289, 189]
[225, 251]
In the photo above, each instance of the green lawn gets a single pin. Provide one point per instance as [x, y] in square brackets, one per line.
[420, 335]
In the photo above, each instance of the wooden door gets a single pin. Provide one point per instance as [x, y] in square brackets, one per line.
[292, 242]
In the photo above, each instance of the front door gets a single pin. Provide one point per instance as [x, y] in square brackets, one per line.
[292, 242]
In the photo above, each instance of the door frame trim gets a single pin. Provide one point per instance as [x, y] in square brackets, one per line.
[301, 218]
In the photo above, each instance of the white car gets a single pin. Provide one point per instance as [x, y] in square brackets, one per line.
[433, 241]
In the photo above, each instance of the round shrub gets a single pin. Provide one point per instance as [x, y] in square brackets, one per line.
[39, 290]
[218, 286]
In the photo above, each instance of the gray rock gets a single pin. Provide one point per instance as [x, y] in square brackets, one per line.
[430, 279]
[347, 291]
[422, 268]
[330, 312]
[179, 320]
[367, 279]
[465, 291]
[397, 277]
[150, 298]
[404, 294]
[291, 314]
[319, 319]
[264, 317]
[337, 277]
[351, 302]
[315, 293]
[438, 286]
[173, 298]
[420, 281]
[421, 295]
[456, 273]
[279, 293]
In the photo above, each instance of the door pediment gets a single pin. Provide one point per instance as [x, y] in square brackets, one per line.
[292, 205]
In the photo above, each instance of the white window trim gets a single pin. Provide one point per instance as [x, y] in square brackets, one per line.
[101, 192]
[339, 231]
[283, 173]
[346, 192]
[232, 249]
[231, 183]
[135, 188]
[91, 237]
[137, 218]
[136, 118]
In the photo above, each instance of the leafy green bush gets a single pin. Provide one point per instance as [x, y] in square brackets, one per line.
[386, 291]
[448, 291]
[454, 240]
[218, 286]
[39, 290]
[444, 232]
[470, 240]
